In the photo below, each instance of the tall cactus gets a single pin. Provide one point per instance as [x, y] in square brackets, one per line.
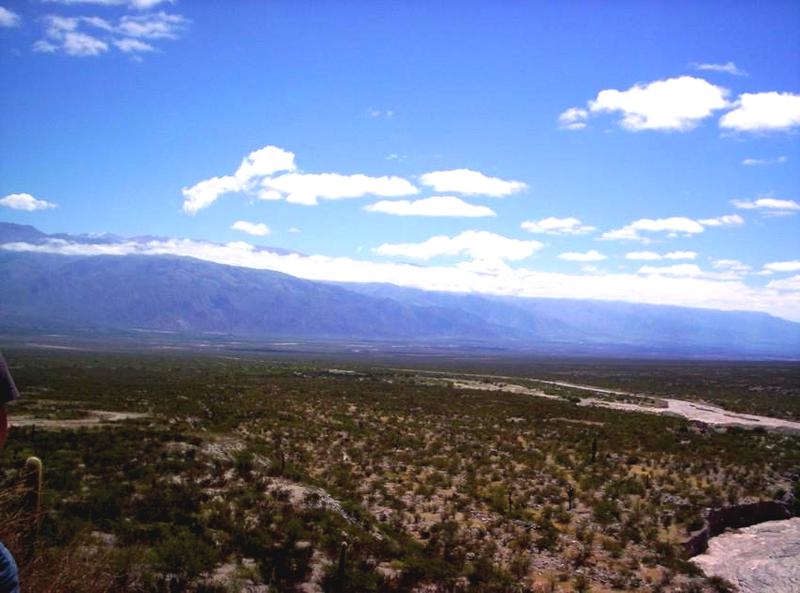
[341, 568]
[33, 498]
[594, 448]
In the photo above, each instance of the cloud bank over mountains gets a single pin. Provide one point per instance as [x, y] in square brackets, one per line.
[481, 266]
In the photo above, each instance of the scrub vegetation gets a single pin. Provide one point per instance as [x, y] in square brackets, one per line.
[242, 474]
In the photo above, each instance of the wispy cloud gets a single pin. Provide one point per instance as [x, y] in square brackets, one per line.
[755, 162]
[92, 36]
[133, 46]
[159, 25]
[557, 226]
[480, 245]
[674, 226]
[433, 206]
[587, 256]
[733, 265]
[25, 202]
[726, 220]
[133, 4]
[8, 18]
[727, 68]
[380, 113]
[573, 118]
[769, 206]
[653, 256]
[690, 271]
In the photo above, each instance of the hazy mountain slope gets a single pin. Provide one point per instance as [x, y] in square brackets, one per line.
[669, 329]
[166, 293]
[190, 295]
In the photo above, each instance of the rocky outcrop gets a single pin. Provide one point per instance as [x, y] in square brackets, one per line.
[734, 517]
[763, 558]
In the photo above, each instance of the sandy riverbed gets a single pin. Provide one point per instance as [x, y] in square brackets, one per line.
[701, 412]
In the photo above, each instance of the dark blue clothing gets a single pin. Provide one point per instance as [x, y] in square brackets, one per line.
[9, 576]
[8, 391]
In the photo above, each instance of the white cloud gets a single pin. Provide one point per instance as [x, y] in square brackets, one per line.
[480, 245]
[8, 18]
[309, 188]
[263, 162]
[573, 118]
[433, 206]
[789, 284]
[653, 256]
[784, 266]
[691, 291]
[672, 225]
[64, 33]
[61, 33]
[690, 270]
[258, 229]
[557, 226]
[591, 255]
[752, 162]
[255, 177]
[680, 255]
[677, 104]
[127, 45]
[729, 68]
[134, 4]
[203, 194]
[768, 205]
[381, 113]
[81, 44]
[159, 25]
[44, 47]
[259, 163]
[734, 265]
[643, 255]
[763, 112]
[726, 220]
[466, 181]
[25, 202]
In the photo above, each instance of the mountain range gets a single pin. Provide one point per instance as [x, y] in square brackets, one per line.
[164, 293]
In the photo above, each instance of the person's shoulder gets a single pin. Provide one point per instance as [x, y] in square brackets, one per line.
[9, 576]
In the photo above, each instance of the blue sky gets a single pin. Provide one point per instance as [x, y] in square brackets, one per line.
[633, 130]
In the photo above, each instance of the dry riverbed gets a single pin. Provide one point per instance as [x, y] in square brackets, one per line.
[700, 412]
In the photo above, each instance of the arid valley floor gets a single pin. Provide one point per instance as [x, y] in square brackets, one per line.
[237, 472]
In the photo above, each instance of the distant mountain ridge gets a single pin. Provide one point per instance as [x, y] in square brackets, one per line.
[166, 293]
